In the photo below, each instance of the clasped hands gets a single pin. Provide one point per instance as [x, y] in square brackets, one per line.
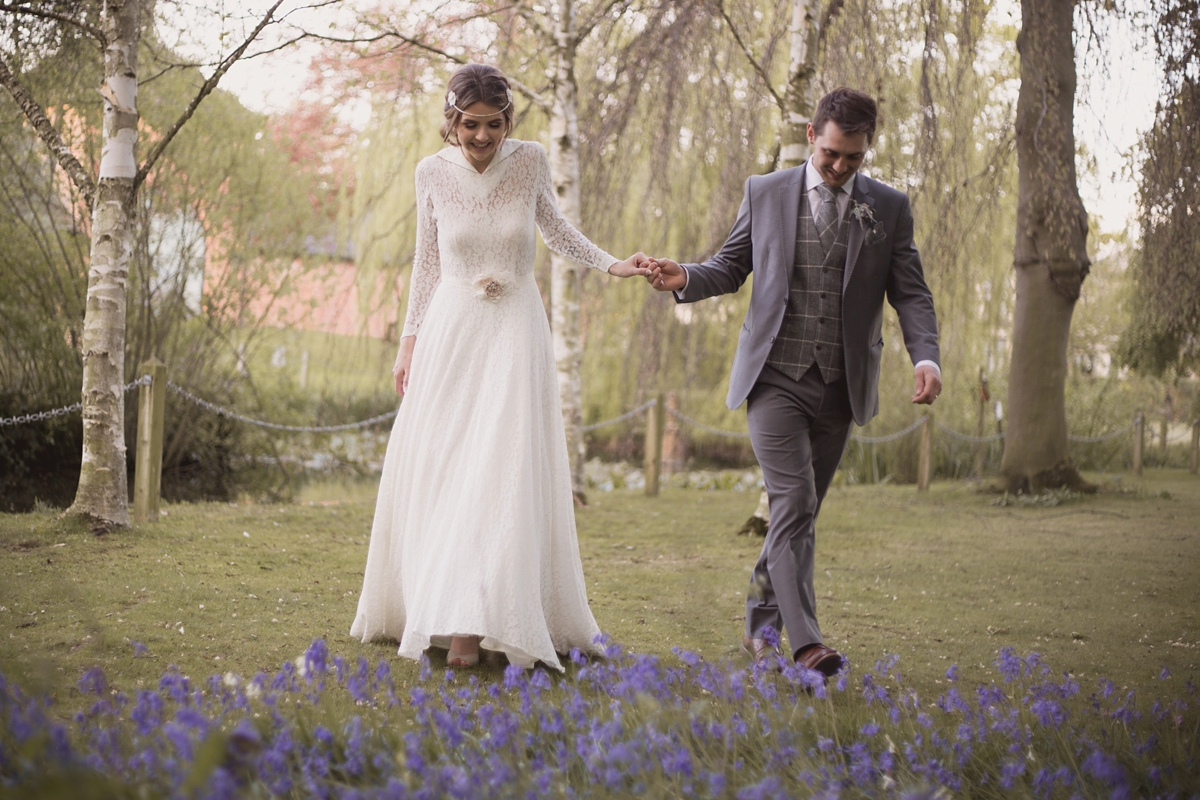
[661, 273]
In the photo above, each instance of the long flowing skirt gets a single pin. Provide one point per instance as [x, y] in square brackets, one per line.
[474, 530]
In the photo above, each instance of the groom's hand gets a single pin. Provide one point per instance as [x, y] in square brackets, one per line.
[927, 385]
[666, 276]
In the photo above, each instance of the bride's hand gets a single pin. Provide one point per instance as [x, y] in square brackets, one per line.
[636, 264]
[403, 369]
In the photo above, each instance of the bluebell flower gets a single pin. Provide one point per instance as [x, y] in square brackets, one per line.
[1010, 771]
[687, 657]
[769, 788]
[94, 682]
[514, 676]
[147, 712]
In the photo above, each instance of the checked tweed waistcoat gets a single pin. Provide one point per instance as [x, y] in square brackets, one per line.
[812, 324]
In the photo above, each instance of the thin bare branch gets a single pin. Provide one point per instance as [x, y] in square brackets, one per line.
[531, 19]
[831, 11]
[533, 95]
[22, 8]
[204, 92]
[37, 117]
[762, 73]
[582, 31]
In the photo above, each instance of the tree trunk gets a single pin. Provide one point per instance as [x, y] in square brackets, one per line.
[103, 494]
[1050, 255]
[802, 71]
[565, 274]
[798, 107]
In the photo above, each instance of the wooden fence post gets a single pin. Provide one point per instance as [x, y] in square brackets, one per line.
[925, 462]
[147, 476]
[654, 442]
[981, 446]
[1139, 441]
[672, 448]
[1195, 445]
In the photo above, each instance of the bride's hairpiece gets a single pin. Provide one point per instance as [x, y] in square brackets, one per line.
[452, 99]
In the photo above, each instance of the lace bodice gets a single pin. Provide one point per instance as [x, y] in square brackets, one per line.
[472, 224]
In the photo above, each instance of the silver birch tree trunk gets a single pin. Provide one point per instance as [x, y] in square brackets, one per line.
[798, 103]
[797, 110]
[103, 494]
[1050, 255]
[565, 275]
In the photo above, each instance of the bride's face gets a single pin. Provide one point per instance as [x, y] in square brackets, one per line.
[480, 132]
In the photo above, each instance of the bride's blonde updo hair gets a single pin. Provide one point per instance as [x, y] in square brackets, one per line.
[475, 83]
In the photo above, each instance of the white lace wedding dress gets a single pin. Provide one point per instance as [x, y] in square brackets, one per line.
[474, 530]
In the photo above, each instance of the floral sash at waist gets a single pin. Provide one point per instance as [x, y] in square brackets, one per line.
[490, 287]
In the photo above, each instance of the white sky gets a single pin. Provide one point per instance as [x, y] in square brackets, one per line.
[1115, 100]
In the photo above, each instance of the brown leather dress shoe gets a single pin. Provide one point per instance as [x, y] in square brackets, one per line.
[818, 657]
[758, 649]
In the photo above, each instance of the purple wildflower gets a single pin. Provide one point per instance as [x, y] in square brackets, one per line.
[94, 682]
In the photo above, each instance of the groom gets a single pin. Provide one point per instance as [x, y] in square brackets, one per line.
[826, 246]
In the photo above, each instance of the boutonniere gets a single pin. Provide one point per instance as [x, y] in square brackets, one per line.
[865, 215]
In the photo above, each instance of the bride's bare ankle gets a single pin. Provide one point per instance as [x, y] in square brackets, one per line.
[464, 645]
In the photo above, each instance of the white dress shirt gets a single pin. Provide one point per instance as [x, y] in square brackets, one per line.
[841, 194]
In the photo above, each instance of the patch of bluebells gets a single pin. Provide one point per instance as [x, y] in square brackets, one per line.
[624, 725]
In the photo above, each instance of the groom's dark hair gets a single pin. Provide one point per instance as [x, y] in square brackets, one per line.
[852, 110]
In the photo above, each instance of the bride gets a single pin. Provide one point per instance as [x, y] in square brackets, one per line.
[474, 543]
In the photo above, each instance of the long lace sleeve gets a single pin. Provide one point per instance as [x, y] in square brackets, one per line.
[427, 265]
[559, 234]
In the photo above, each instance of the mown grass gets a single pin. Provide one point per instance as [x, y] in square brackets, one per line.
[1106, 586]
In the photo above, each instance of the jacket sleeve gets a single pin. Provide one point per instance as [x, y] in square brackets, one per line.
[909, 294]
[726, 271]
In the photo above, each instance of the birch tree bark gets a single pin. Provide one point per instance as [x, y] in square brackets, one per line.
[798, 104]
[103, 493]
[796, 107]
[1051, 251]
[565, 275]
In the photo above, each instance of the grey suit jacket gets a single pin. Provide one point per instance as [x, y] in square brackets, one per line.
[881, 261]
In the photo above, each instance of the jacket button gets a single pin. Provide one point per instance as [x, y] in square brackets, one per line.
[771, 339]
[818, 347]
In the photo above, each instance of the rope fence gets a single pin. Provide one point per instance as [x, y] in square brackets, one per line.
[630, 414]
[275, 426]
[229, 413]
[153, 385]
[891, 437]
[38, 416]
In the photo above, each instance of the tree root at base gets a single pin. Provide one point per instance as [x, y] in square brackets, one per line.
[756, 526]
[1061, 476]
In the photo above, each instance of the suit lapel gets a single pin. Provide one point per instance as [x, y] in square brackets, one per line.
[789, 212]
[854, 242]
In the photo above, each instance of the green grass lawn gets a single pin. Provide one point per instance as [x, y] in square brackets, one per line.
[1100, 586]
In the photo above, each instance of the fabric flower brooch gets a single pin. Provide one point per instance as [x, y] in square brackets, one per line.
[491, 288]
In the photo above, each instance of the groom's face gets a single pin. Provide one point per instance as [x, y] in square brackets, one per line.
[837, 155]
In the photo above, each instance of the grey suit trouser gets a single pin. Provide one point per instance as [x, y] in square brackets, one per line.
[799, 430]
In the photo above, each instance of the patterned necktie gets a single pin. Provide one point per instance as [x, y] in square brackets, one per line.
[826, 217]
